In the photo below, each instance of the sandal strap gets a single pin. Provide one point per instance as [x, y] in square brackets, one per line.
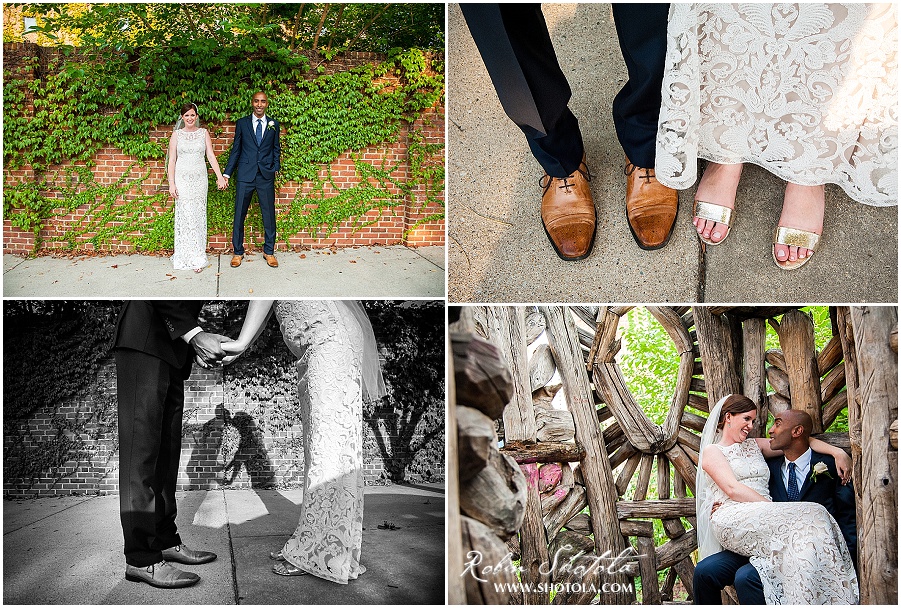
[713, 212]
[795, 237]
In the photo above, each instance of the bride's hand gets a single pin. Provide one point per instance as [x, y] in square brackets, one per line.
[843, 466]
[234, 348]
[221, 183]
[173, 191]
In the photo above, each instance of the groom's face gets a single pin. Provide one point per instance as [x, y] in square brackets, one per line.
[260, 103]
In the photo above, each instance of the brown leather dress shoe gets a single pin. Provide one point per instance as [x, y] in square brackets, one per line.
[567, 213]
[185, 555]
[270, 259]
[236, 260]
[651, 207]
[161, 574]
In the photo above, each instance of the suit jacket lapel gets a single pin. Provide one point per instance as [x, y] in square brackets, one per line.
[814, 458]
[778, 487]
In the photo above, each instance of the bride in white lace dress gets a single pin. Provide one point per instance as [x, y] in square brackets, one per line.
[806, 91]
[337, 369]
[796, 547]
[188, 187]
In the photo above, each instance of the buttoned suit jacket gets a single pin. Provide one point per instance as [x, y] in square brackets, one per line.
[248, 157]
[155, 327]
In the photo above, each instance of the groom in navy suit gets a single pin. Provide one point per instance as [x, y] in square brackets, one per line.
[255, 153]
[793, 477]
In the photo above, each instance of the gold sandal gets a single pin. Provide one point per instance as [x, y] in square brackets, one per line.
[794, 237]
[286, 569]
[713, 213]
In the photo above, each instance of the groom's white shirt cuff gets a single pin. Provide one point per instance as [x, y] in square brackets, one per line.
[190, 335]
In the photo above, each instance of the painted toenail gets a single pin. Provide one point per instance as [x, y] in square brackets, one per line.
[716, 235]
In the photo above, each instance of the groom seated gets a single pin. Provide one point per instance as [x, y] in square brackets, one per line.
[795, 476]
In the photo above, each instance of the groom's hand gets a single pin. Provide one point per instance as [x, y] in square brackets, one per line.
[208, 348]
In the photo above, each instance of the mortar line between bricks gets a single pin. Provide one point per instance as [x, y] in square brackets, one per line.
[231, 550]
[49, 516]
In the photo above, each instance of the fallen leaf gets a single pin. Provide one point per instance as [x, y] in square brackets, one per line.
[353, 261]
[303, 256]
[251, 291]
[114, 266]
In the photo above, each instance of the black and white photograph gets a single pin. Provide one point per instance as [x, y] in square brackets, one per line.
[228, 452]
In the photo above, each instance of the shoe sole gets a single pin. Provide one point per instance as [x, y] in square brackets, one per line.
[563, 257]
[138, 579]
[187, 563]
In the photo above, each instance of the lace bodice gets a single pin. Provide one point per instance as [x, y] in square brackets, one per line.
[749, 466]
[807, 91]
[191, 180]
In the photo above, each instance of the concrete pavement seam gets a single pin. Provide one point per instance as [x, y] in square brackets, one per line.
[231, 549]
[49, 516]
[416, 251]
[702, 272]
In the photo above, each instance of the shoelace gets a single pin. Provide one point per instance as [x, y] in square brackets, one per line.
[544, 185]
[630, 168]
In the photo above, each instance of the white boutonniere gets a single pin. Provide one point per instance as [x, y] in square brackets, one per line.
[270, 126]
[820, 468]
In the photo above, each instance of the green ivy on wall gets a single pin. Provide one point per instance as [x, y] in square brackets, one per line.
[83, 104]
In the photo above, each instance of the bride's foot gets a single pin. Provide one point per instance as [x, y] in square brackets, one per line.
[198, 270]
[718, 186]
[286, 569]
[277, 555]
[802, 210]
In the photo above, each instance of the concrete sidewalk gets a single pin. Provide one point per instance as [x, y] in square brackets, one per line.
[68, 550]
[497, 248]
[364, 272]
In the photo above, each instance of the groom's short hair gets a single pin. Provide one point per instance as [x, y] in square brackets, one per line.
[798, 418]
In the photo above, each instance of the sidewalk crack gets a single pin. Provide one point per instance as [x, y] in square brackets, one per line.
[231, 549]
[702, 273]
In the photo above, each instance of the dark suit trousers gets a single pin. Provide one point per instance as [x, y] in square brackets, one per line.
[714, 573]
[515, 45]
[151, 403]
[265, 189]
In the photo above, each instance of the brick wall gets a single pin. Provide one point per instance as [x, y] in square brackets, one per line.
[208, 457]
[394, 227]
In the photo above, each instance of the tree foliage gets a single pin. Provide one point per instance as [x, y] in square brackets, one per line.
[272, 27]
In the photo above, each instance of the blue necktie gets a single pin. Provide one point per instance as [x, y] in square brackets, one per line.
[793, 493]
[259, 131]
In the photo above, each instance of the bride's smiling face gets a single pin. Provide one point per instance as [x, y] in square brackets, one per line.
[737, 427]
[190, 118]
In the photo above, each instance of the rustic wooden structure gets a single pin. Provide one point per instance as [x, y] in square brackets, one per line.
[600, 505]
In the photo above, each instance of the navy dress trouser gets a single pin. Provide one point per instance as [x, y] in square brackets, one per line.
[514, 43]
[265, 189]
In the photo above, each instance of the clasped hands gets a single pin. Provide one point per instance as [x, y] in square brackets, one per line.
[215, 350]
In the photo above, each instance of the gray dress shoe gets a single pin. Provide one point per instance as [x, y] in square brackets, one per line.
[161, 574]
[183, 555]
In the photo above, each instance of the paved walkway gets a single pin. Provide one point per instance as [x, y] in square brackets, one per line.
[68, 550]
[497, 249]
[364, 272]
